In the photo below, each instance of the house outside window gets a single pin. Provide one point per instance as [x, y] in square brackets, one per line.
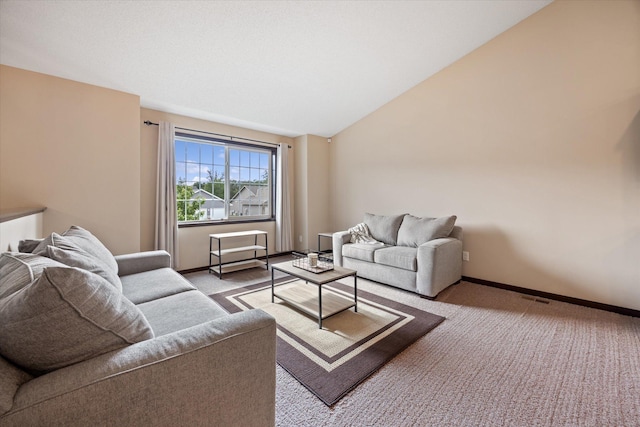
[218, 180]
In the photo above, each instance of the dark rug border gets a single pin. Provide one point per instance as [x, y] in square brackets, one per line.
[343, 378]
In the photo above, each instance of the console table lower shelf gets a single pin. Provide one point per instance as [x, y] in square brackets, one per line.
[237, 266]
[310, 300]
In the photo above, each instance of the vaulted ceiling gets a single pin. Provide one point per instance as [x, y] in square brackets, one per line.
[287, 67]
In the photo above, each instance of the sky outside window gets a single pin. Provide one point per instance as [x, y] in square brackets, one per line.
[194, 159]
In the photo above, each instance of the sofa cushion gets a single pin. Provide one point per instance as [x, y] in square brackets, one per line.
[167, 315]
[82, 238]
[74, 256]
[384, 228]
[66, 316]
[415, 231]
[11, 379]
[17, 270]
[153, 284]
[361, 251]
[398, 256]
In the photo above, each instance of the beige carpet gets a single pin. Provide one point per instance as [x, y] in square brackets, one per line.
[498, 360]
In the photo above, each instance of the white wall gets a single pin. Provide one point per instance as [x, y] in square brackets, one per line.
[24, 227]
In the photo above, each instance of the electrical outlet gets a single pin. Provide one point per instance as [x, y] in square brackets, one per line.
[465, 256]
[300, 238]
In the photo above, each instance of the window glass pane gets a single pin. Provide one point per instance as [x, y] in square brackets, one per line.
[255, 159]
[180, 206]
[181, 171]
[206, 177]
[192, 171]
[245, 174]
[234, 188]
[264, 160]
[255, 175]
[218, 155]
[218, 191]
[193, 152]
[234, 158]
[218, 173]
[188, 205]
[180, 150]
[234, 174]
[206, 153]
[206, 172]
[245, 157]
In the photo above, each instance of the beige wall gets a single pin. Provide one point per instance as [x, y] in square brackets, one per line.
[318, 189]
[74, 148]
[533, 140]
[300, 205]
[312, 179]
[193, 241]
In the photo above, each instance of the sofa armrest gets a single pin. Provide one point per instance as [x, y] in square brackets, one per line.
[439, 265]
[142, 261]
[338, 239]
[222, 371]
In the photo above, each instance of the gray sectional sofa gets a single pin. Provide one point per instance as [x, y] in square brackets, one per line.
[91, 339]
[422, 255]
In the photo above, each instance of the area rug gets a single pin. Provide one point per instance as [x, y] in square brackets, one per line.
[350, 347]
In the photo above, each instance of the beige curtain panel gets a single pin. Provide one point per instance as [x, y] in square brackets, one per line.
[166, 236]
[284, 231]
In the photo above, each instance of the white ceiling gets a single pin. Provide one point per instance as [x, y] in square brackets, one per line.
[287, 67]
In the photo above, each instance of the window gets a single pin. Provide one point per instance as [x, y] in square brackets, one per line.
[218, 180]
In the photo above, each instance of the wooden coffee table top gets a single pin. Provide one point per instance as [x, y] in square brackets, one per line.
[315, 278]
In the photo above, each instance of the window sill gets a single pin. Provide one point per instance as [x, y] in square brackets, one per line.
[227, 222]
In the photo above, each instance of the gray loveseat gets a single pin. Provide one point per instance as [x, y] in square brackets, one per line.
[422, 255]
[141, 347]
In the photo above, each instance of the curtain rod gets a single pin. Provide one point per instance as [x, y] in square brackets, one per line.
[150, 123]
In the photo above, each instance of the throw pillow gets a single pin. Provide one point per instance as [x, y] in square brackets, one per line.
[28, 245]
[79, 237]
[17, 270]
[66, 316]
[91, 244]
[41, 248]
[74, 241]
[415, 231]
[384, 228]
[360, 234]
[73, 256]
